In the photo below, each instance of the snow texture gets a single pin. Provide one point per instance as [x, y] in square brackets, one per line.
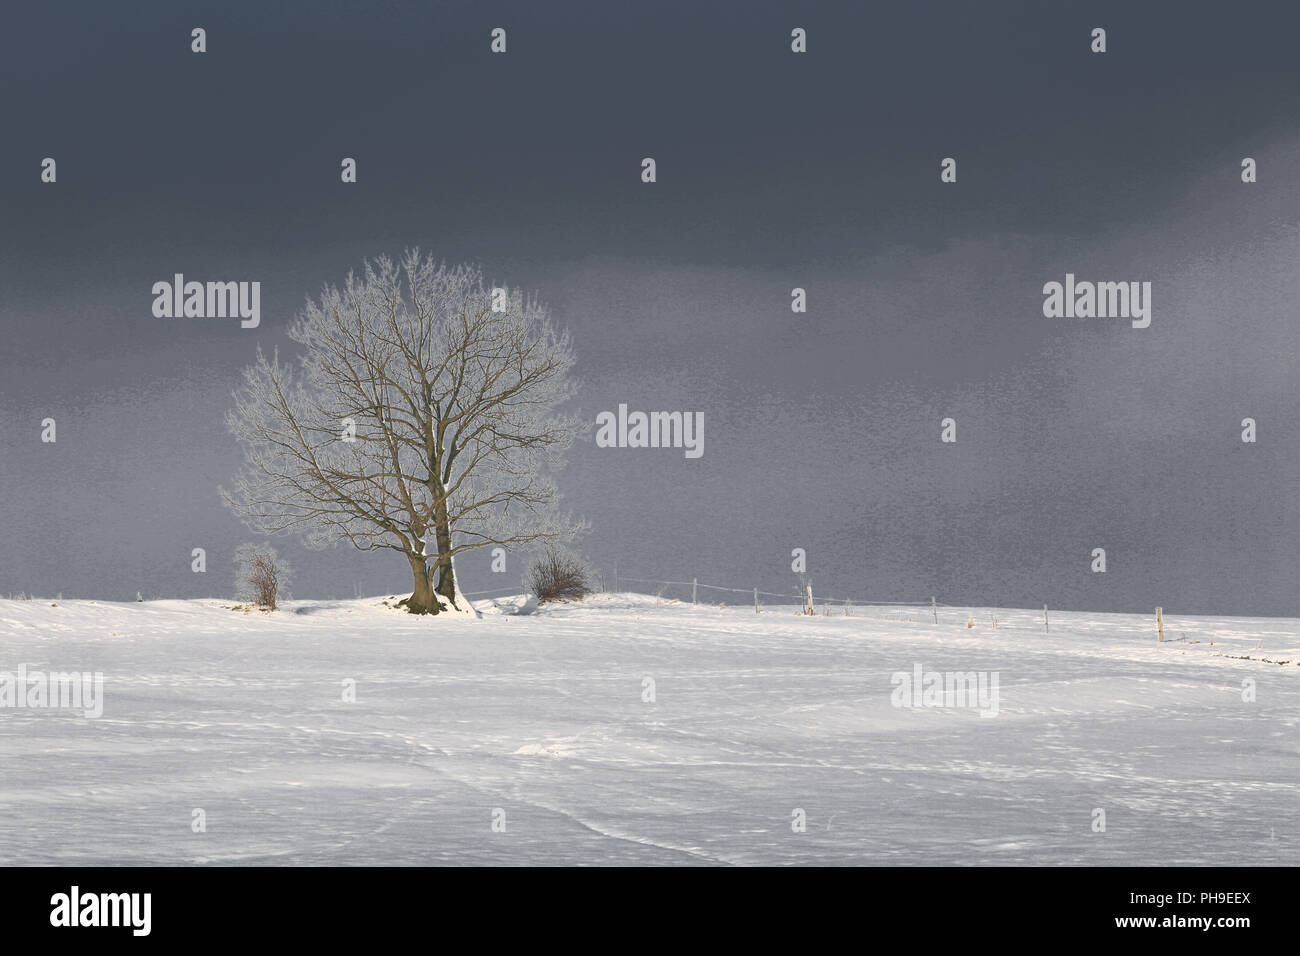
[540, 712]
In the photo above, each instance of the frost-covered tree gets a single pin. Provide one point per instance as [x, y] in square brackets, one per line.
[420, 419]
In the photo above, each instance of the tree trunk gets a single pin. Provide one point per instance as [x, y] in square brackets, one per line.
[446, 572]
[447, 581]
[422, 599]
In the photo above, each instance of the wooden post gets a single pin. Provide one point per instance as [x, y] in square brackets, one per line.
[1047, 629]
[1160, 624]
[808, 601]
[755, 600]
[934, 609]
[693, 584]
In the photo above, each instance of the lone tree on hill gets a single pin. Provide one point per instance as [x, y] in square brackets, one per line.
[422, 418]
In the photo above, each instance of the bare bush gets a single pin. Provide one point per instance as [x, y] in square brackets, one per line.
[260, 575]
[557, 574]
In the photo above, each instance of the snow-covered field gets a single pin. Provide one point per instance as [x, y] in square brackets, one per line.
[543, 720]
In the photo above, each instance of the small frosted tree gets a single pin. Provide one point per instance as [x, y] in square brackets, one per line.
[422, 418]
[261, 575]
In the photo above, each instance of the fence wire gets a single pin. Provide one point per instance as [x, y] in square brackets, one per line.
[797, 594]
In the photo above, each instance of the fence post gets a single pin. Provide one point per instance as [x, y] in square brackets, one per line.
[1160, 624]
[755, 600]
[934, 610]
[1046, 627]
[808, 602]
[693, 583]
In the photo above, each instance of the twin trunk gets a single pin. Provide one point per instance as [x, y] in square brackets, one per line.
[425, 598]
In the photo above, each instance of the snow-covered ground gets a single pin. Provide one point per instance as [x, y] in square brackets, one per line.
[543, 720]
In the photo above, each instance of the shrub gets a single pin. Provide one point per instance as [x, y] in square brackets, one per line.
[557, 574]
[260, 575]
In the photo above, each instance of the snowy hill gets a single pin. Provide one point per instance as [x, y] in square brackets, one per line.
[626, 729]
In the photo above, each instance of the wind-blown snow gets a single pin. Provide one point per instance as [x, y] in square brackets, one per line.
[542, 715]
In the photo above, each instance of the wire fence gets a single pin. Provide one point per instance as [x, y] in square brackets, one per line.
[815, 602]
[1185, 630]
[798, 594]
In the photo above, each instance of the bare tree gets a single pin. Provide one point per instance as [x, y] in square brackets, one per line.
[260, 574]
[422, 419]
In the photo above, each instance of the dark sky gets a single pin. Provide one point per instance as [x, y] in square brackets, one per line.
[775, 170]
